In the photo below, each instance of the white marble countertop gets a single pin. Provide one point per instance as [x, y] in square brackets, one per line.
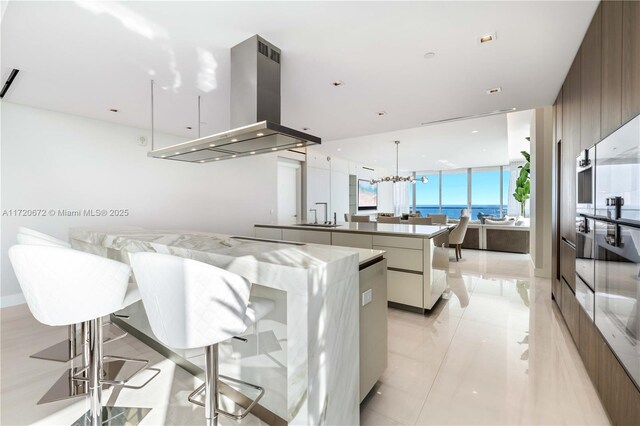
[397, 230]
[282, 253]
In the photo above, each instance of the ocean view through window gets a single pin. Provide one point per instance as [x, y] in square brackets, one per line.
[448, 192]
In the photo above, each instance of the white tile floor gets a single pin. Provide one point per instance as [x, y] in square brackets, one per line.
[496, 352]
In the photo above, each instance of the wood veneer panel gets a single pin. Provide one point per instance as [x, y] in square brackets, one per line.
[619, 396]
[591, 81]
[569, 311]
[587, 344]
[630, 60]
[571, 92]
[611, 108]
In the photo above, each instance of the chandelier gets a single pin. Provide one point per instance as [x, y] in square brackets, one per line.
[398, 178]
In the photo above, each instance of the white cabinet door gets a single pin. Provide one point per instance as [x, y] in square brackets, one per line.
[351, 240]
[267, 233]
[400, 258]
[305, 236]
[405, 288]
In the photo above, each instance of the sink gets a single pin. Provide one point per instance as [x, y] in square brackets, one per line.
[319, 225]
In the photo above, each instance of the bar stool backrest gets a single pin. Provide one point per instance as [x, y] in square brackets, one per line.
[190, 304]
[30, 236]
[64, 286]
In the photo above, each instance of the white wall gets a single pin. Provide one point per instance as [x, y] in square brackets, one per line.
[328, 181]
[540, 203]
[58, 161]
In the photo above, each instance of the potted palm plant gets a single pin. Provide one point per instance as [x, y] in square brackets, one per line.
[523, 183]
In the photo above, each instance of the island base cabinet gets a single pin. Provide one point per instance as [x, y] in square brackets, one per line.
[373, 325]
[405, 288]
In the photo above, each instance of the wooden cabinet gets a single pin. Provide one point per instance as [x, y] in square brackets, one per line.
[611, 107]
[568, 264]
[590, 82]
[571, 93]
[587, 344]
[620, 397]
[630, 60]
[569, 311]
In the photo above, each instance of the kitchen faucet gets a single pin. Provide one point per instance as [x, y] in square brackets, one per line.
[326, 222]
[315, 213]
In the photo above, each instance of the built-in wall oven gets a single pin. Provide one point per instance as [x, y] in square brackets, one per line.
[617, 244]
[585, 227]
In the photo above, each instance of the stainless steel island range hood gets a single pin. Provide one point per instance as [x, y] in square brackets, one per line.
[255, 112]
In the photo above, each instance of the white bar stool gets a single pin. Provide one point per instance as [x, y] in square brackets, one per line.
[67, 386]
[192, 305]
[63, 287]
[67, 349]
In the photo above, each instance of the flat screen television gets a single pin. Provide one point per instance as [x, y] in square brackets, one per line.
[367, 195]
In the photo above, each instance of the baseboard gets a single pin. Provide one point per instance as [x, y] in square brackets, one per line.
[12, 300]
[542, 272]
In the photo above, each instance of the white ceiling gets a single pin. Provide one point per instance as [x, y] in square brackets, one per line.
[85, 58]
[475, 142]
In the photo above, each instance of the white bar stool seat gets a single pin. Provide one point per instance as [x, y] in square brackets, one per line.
[192, 305]
[63, 286]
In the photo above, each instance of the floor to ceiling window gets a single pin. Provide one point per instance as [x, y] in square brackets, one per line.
[485, 192]
[428, 194]
[506, 189]
[454, 192]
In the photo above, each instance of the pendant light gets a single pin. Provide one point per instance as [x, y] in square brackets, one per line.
[397, 177]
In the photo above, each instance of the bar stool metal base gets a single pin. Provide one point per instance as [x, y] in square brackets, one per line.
[114, 372]
[211, 390]
[116, 416]
[62, 352]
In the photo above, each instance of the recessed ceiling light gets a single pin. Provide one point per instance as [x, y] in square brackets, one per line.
[337, 83]
[259, 134]
[299, 144]
[202, 161]
[382, 112]
[177, 153]
[474, 131]
[213, 144]
[252, 152]
[233, 156]
[339, 149]
[113, 110]
[163, 156]
[217, 158]
[494, 90]
[274, 149]
[429, 55]
[486, 38]
[193, 149]
[234, 140]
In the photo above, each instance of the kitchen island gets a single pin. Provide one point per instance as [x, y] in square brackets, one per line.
[417, 255]
[305, 353]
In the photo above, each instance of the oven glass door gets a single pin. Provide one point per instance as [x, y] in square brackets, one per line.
[585, 246]
[617, 274]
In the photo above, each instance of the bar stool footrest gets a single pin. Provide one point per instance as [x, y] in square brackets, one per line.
[236, 416]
